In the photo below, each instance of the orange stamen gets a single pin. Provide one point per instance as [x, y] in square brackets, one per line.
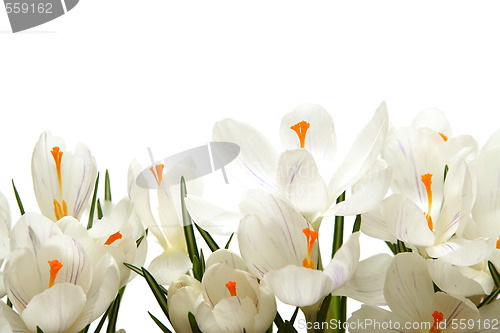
[438, 317]
[158, 174]
[57, 154]
[498, 243]
[301, 129]
[60, 212]
[311, 236]
[445, 138]
[114, 237]
[231, 286]
[55, 266]
[427, 180]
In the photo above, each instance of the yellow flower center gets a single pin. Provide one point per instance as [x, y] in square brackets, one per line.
[55, 266]
[438, 317]
[231, 286]
[158, 173]
[117, 235]
[60, 208]
[301, 130]
[427, 180]
[311, 236]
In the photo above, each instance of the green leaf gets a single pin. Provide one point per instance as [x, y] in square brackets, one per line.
[157, 292]
[270, 329]
[494, 274]
[446, 171]
[208, 238]
[103, 319]
[491, 297]
[139, 241]
[392, 246]
[323, 310]
[160, 324]
[294, 316]
[229, 241]
[139, 271]
[39, 330]
[193, 323]
[197, 269]
[9, 303]
[92, 205]
[357, 224]
[338, 235]
[113, 314]
[278, 320]
[107, 187]
[99, 210]
[188, 227]
[287, 327]
[19, 203]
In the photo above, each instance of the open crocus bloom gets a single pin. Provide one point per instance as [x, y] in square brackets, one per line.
[167, 227]
[279, 246]
[52, 281]
[228, 299]
[4, 237]
[410, 295]
[302, 173]
[63, 180]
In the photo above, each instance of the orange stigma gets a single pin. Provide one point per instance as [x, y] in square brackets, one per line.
[158, 174]
[57, 154]
[438, 317]
[498, 243]
[55, 266]
[427, 180]
[113, 238]
[445, 138]
[231, 286]
[301, 130]
[60, 212]
[311, 239]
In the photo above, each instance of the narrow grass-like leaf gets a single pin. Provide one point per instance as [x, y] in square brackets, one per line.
[188, 225]
[287, 327]
[357, 224]
[494, 273]
[157, 292]
[392, 246]
[270, 329]
[99, 210]
[446, 171]
[294, 316]
[113, 314]
[92, 205]
[139, 271]
[107, 187]
[86, 329]
[39, 330]
[278, 320]
[103, 319]
[18, 198]
[197, 269]
[338, 235]
[229, 241]
[208, 238]
[491, 297]
[9, 303]
[160, 324]
[193, 323]
[202, 262]
[323, 310]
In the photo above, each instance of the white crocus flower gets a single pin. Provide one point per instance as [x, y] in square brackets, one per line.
[4, 237]
[279, 246]
[228, 299]
[63, 180]
[52, 281]
[302, 173]
[117, 232]
[410, 295]
[167, 228]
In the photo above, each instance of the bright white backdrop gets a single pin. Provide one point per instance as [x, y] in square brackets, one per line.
[124, 75]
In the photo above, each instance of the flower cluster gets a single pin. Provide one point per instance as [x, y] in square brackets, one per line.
[432, 197]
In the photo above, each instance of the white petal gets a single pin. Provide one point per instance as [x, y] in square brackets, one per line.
[232, 314]
[462, 252]
[214, 219]
[31, 230]
[374, 224]
[367, 193]
[434, 119]
[362, 154]
[454, 309]
[343, 265]
[408, 287]
[4, 217]
[266, 309]
[12, 319]
[320, 137]
[299, 181]
[170, 224]
[368, 315]
[256, 161]
[55, 309]
[367, 283]
[169, 266]
[460, 281]
[182, 297]
[227, 258]
[299, 286]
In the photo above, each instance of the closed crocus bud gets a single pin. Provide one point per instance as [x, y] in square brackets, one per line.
[182, 297]
[63, 180]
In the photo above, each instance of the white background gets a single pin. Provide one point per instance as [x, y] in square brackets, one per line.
[124, 75]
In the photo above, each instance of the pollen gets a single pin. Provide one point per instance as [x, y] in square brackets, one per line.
[311, 236]
[158, 173]
[114, 237]
[301, 130]
[438, 317]
[231, 286]
[427, 180]
[55, 266]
